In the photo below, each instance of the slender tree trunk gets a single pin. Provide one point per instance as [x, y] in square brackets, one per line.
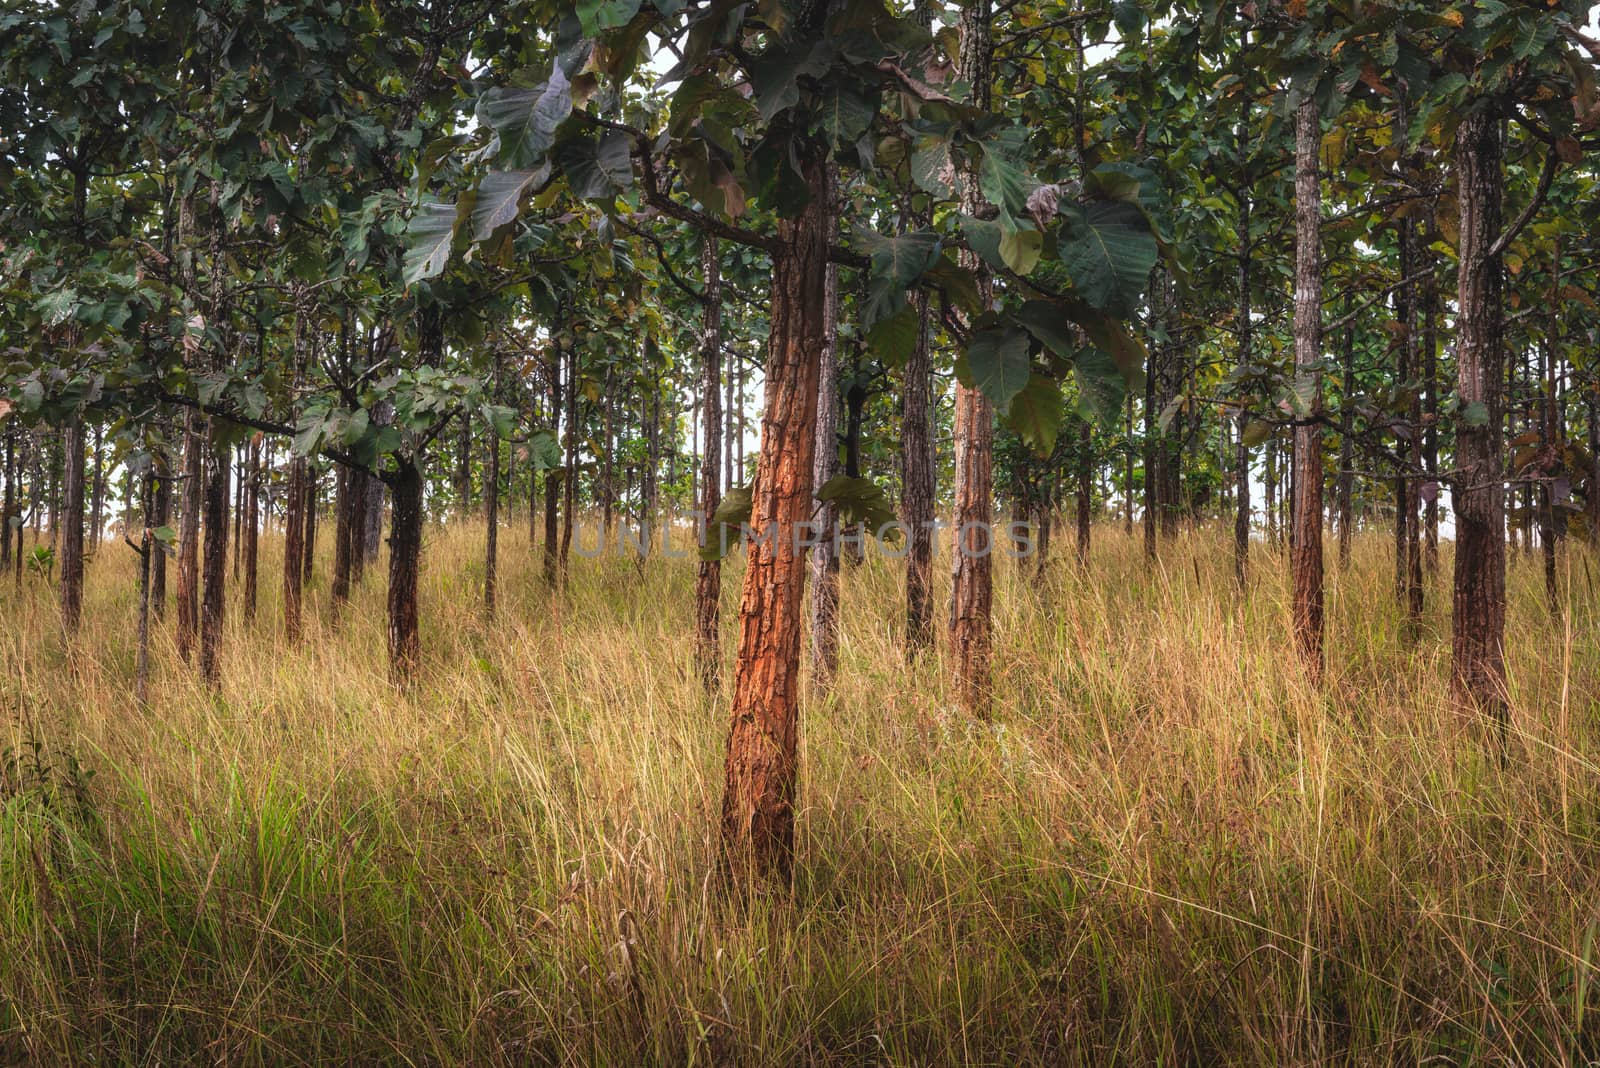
[97, 492]
[1127, 476]
[1478, 671]
[1085, 495]
[219, 471]
[72, 534]
[1430, 400]
[1151, 481]
[8, 510]
[708, 579]
[1241, 459]
[491, 508]
[252, 525]
[189, 536]
[147, 551]
[158, 562]
[313, 477]
[1306, 547]
[343, 534]
[1346, 484]
[917, 483]
[973, 568]
[405, 555]
[760, 771]
[294, 526]
[1549, 442]
[825, 464]
[569, 485]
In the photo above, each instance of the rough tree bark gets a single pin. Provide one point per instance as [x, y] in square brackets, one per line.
[760, 771]
[708, 578]
[405, 554]
[188, 598]
[72, 534]
[973, 567]
[294, 532]
[219, 472]
[1478, 670]
[1306, 521]
[825, 554]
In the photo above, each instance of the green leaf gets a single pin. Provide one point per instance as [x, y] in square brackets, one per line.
[844, 114]
[526, 119]
[355, 428]
[998, 364]
[775, 75]
[894, 338]
[859, 500]
[600, 15]
[896, 263]
[428, 239]
[1051, 325]
[166, 535]
[958, 284]
[1020, 249]
[1004, 185]
[595, 169]
[1255, 432]
[983, 235]
[498, 196]
[1101, 386]
[932, 168]
[1475, 414]
[1109, 252]
[722, 529]
[1037, 412]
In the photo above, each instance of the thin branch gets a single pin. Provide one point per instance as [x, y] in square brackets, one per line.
[1551, 162]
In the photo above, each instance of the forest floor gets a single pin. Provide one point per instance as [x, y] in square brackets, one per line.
[1166, 848]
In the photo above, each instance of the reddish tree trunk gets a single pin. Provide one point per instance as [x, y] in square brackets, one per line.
[758, 795]
[194, 446]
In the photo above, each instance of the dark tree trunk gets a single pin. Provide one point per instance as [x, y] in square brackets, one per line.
[1151, 481]
[708, 578]
[917, 482]
[1306, 524]
[491, 514]
[1085, 497]
[358, 523]
[1346, 484]
[1430, 400]
[252, 525]
[313, 499]
[148, 550]
[219, 471]
[194, 447]
[97, 493]
[825, 464]
[72, 533]
[405, 554]
[569, 485]
[8, 509]
[1478, 669]
[760, 771]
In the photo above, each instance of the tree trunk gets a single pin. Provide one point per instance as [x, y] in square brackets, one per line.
[760, 771]
[569, 485]
[343, 533]
[1430, 400]
[973, 568]
[917, 483]
[1085, 497]
[8, 509]
[1478, 671]
[294, 530]
[194, 446]
[158, 562]
[491, 510]
[219, 472]
[1346, 484]
[72, 518]
[1150, 453]
[252, 525]
[147, 551]
[97, 492]
[708, 578]
[1306, 543]
[825, 464]
[313, 499]
[405, 553]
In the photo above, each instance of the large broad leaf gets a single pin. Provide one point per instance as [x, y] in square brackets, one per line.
[1037, 412]
[1101, 385]
[932, 167]
[1109, 252]
[997, 363]
[894, 339]
[859, 500]
[958, 284]
[897, 262]
[775, 75]
[844, 113]
[526, 119]
[1051, 324]
[722, 528]
[498, 195]
[428, 239]
[599, 15]
[595, 169]
[1005, 185]
[1111, 336]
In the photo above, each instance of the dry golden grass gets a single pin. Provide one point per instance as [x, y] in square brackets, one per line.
[1165, 849]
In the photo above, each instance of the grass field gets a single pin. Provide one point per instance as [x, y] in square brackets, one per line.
[1165, 849]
